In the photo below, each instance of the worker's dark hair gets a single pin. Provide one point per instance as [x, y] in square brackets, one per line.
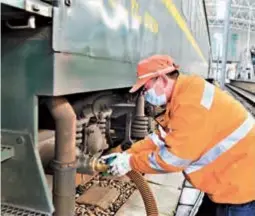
[174, 74]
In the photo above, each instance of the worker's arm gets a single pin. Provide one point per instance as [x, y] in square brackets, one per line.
[143, 145]
[184, 144]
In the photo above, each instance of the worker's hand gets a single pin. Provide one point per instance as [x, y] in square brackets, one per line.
[118, 163]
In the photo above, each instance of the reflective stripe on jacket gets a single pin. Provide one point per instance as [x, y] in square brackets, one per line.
[209, 136]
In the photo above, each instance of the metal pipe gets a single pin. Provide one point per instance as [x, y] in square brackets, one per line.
[249, 34]
[217, 67]
[64, 164]
[225, 41]
[140, 103]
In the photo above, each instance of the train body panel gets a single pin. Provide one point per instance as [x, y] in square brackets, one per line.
[96, 41]
[115, 33]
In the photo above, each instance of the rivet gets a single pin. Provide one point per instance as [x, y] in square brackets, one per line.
[35, 8]
[20, 140]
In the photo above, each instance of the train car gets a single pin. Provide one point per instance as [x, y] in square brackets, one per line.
[67, 66]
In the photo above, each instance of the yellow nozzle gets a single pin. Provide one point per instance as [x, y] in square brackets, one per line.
[98, 166]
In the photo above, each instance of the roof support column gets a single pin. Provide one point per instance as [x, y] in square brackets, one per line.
[225, 42]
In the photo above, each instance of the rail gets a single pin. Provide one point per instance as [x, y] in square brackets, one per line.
[245, 93]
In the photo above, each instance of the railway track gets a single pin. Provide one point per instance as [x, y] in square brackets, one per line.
[245, 93]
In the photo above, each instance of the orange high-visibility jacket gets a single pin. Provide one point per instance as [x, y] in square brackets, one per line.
[206, 134]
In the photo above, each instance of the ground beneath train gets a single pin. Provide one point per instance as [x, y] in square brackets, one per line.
[103, 196]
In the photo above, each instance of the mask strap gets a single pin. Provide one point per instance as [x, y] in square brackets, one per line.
[158, 73]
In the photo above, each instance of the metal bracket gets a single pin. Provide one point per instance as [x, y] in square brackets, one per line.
[128, 109]
[7, 152]
[30, 24]
[38, 7]
[127, 142]
[33, 6]
[122, 108]
[31, 191]
[11, 210]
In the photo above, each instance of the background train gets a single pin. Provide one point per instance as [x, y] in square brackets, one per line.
[67, 66]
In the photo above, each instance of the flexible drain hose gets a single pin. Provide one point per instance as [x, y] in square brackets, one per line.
[145, 191]
[141, 184]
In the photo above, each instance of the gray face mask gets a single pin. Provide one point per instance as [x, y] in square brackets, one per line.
[151, 97]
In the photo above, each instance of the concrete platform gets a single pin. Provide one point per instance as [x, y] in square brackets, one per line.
[166, 189]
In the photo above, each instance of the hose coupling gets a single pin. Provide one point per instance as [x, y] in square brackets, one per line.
[97, 165]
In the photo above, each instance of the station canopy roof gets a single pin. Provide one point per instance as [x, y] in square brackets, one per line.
[242, 14]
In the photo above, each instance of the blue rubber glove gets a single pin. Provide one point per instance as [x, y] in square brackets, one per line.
[118, 163]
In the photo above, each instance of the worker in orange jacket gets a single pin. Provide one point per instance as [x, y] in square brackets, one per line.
[204, 133]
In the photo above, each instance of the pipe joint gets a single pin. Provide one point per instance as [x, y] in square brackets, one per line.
[58, 165]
